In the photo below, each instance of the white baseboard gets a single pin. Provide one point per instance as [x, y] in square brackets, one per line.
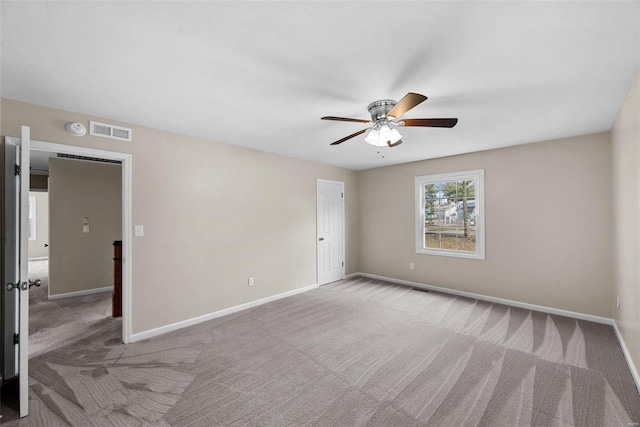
[542, 308]
[627, 355]
[195, 320]
[39, 258]
[82, 293]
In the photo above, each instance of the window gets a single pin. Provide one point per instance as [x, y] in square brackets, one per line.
[32, 218]
[450, 214]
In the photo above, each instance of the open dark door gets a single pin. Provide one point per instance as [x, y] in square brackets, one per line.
[14, 291]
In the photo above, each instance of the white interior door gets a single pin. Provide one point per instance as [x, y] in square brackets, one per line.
[23, 367]
[15, 279]
[330, 226]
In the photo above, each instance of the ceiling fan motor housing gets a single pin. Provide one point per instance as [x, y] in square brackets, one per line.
[379, 109]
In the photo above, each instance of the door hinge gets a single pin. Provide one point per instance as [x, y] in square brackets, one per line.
[17, 170]
[343, 263]
[16, 339]
[342, 194]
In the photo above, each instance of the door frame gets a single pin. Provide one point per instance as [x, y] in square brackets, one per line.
[344, 254]
[21, 220]
[127, 262]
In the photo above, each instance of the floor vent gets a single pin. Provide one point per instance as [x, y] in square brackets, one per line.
[109, 131]
[420, 289]
[86, 158]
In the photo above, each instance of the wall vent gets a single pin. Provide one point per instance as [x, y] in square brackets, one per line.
[87, 158]
[109, 131]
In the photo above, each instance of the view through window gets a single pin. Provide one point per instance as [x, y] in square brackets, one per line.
[449, 218]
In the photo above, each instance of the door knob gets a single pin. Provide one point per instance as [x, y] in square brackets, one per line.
[46, 245]
[321, 239]
[19, 286]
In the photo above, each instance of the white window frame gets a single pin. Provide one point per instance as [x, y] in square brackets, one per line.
[473, 175]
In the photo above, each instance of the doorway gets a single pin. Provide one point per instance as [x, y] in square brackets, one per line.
[15, 241]
[71, 266]
[70, 151]
[15, 324]
[38, 248]
[330, 231]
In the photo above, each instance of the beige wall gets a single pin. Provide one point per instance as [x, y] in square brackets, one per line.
[547, 210]
[36, 247]
[625, 148]
[214, 214]
[81, 261]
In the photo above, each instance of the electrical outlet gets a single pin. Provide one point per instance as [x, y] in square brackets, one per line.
[251, 281]
[618, 303]
[411, 266]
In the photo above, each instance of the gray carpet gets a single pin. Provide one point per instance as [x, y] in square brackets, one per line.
[356, 352]
[56, 323]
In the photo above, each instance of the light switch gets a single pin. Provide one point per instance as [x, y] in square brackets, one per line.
[139, 231]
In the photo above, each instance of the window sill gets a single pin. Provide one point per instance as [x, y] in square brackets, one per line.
[453, 254]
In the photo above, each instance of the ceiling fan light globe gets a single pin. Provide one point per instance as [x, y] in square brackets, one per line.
[372, 137]
[385, 133]
[381, 135]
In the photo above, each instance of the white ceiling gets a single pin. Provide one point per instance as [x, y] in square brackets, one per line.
[262, 74]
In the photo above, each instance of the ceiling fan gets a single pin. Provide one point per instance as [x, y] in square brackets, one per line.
[385, 115]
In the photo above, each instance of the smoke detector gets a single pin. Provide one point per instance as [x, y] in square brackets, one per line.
[76, 129]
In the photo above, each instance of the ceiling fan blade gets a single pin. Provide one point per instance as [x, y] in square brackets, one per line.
[409, 101]
[430, 123]
[353, 135]
[344, 119]
[395, 144]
